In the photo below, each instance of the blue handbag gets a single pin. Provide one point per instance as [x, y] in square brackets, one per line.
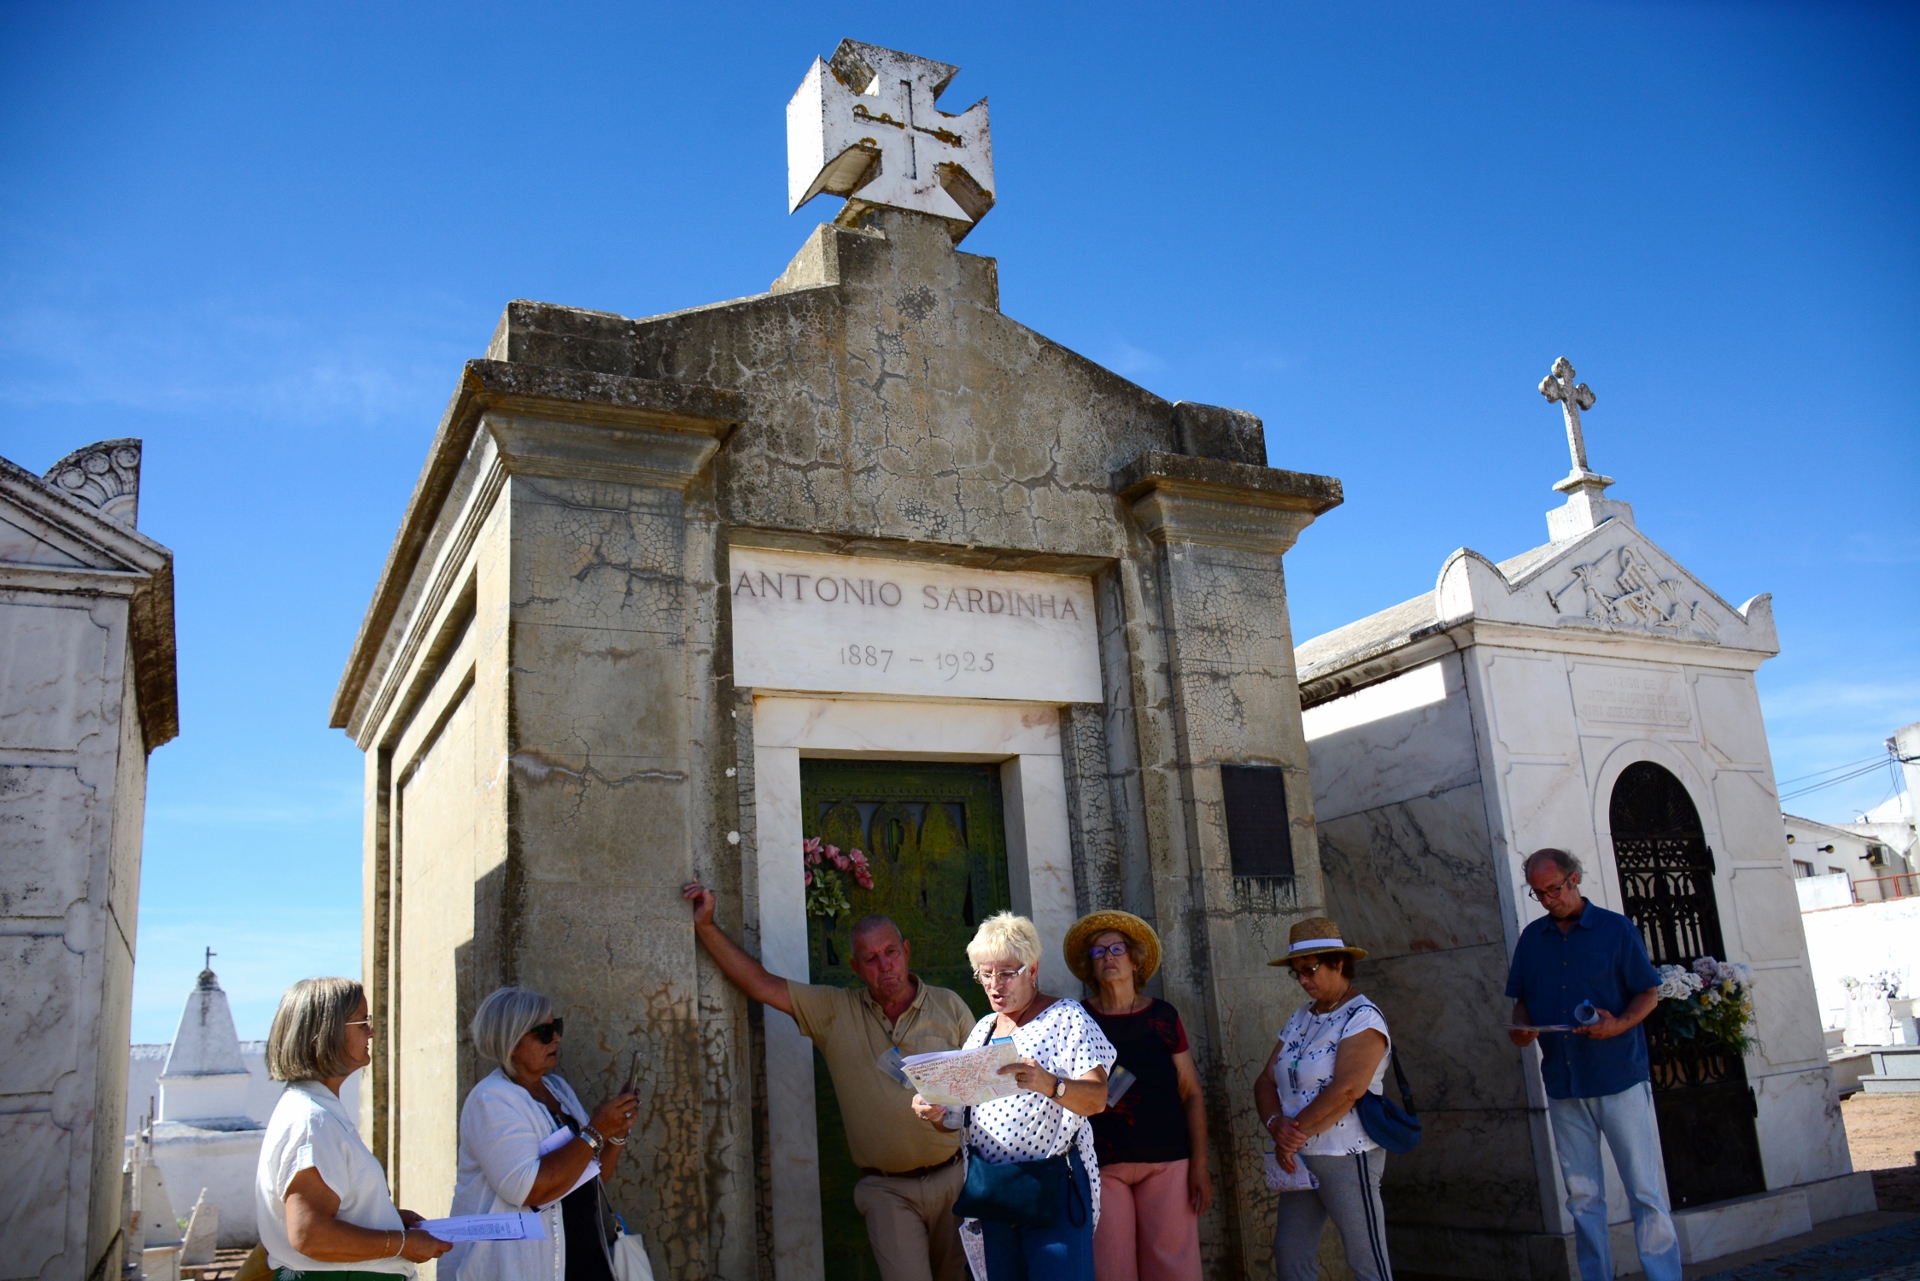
[1395, 1128]
[1025, 1193]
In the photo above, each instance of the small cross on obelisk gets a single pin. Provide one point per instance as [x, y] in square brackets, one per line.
[1572, 397]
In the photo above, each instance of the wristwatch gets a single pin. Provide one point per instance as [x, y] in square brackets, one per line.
[1059, 1087]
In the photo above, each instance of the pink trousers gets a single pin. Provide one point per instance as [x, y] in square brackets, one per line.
[1147, 1230]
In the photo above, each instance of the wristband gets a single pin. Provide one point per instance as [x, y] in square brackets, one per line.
[401, 1247]
[593, 1139]
[1268, 1123]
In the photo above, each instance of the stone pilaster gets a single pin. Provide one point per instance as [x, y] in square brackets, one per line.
[1214, 682]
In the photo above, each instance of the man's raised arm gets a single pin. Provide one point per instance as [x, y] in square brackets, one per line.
[742, 970]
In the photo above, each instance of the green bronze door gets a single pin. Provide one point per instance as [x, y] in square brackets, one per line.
[933, 837]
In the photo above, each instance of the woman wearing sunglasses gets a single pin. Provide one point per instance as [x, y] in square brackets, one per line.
[1332, 1051]
[513, 1157]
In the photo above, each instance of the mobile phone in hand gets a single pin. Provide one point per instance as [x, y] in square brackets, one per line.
[633, 1072]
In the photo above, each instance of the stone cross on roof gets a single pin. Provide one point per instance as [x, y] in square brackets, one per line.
[1573, 397]
[1587, 503]
[864, 125]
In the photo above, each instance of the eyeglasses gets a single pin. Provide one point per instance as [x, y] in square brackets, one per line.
[989, 978]
[1552, 891]
[1111, 949]
[545, 1032]
[1308, 972]
[365, 1023]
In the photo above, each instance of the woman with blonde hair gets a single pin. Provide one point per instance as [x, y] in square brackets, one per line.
[1033, 1182]
[526, 1143]
[320, 1198]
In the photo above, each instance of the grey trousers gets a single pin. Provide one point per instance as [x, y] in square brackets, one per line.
[1349, 1194]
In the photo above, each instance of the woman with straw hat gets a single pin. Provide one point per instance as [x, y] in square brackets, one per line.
[1152, 1139]
[1331, 1052]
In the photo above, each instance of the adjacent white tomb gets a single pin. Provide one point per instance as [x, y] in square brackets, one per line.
[204, 1139]
[1589, 694]
[86, 692]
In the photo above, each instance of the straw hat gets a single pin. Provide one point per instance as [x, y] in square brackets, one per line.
[1143, 943]
[1315, 936]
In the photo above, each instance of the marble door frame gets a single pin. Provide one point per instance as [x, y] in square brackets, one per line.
[1024, 739]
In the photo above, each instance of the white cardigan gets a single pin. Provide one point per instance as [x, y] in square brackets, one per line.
[501, 1128]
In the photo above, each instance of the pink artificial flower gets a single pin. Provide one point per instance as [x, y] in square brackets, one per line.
[859, 859]
[865, 881]
[809, 879]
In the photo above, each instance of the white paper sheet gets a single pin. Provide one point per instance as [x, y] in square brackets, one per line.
[559, 1139]
[524, 1226]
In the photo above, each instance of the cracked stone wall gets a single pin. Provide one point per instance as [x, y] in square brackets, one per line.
[875, 401]
[1407, 858]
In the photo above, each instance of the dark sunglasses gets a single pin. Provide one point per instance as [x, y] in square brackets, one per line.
[547, 1031]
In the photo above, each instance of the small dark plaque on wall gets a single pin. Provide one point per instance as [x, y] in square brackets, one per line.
[1259, 837]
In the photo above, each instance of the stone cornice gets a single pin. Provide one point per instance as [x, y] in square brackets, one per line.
[138, 567]
[594, 413]
[1402, 653]
[1216, 503]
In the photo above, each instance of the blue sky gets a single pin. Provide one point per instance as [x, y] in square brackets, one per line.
[263, 238]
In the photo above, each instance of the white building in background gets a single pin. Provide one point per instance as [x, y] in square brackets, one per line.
[213, 1098]
[1593, 695]
[1865, 859]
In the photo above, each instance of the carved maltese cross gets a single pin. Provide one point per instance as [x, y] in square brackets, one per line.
[864, 125]
[1572, 398]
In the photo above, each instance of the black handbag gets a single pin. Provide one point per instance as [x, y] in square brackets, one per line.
[1395, 1128]
[1024, 1193]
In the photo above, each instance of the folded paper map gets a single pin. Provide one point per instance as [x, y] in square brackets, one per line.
[486, 1227]
[962, 1078]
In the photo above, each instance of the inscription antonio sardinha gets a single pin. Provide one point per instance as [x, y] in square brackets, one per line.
[805, 590]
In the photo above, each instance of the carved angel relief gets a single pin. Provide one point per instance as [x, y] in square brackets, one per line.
[1629, 593]
[105, 475]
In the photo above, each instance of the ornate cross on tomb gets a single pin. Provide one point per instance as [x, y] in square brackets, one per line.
[1573, 397]
[1587, 503]
[864, 125]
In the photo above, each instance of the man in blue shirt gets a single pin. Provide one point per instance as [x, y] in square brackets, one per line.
[1577, 965]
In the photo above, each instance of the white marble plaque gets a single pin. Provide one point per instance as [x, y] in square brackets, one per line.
[859, 625]
[1630, 696]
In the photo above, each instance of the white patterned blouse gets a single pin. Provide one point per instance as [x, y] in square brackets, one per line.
[1027, 1126]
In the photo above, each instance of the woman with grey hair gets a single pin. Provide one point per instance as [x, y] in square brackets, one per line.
[526, 1143]
[320, 1198]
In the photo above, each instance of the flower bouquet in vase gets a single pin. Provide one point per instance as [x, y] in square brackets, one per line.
[1713, 1000]
[825, 868]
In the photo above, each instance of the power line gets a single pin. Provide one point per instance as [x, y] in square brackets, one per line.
[1833, 769]
[1861, 772]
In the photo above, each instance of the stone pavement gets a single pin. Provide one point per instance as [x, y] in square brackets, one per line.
[1883, 1246]
[1885, 1254]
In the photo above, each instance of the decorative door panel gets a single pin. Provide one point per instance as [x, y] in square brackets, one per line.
[1700, 1094]
[936, 845]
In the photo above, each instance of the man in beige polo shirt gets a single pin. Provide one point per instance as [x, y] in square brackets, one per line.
[910, 1171]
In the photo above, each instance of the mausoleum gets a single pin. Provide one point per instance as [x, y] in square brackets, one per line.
[861, 557]
[86, 692]
[1593, 695]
